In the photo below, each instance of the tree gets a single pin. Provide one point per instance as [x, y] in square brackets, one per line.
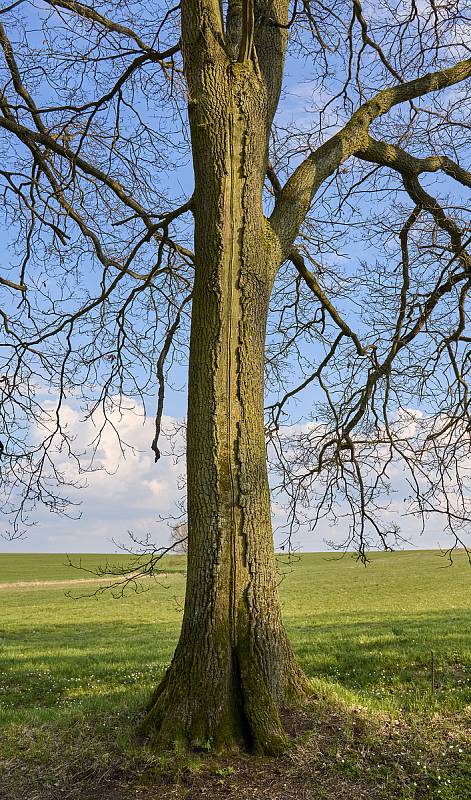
[99, 107]
[179, 537]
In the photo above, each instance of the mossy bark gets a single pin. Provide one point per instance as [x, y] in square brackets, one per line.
[233, 668]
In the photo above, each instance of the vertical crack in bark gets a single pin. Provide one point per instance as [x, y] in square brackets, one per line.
[230, 311]
[232, 326]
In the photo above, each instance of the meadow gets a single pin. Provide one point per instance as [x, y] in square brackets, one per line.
[388, 648]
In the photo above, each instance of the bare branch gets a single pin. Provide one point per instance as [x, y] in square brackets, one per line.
[296, 197]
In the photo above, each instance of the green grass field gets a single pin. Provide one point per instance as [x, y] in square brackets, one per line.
[75, 672]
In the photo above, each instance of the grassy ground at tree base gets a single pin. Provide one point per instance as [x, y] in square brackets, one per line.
[75, 674]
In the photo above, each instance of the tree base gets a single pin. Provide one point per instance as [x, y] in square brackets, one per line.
[241, 712]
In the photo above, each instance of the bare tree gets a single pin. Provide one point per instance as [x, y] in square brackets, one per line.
[179, 537]
[329, 252]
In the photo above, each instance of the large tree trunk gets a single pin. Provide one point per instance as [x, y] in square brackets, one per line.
[233, 668]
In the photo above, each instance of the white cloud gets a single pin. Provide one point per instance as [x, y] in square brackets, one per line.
[126, 492]
[132, 493]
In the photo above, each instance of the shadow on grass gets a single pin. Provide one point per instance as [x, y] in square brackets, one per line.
[390, 657]
[97, 666]
[62, 665]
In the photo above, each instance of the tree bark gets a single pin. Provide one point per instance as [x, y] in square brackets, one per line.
[233, 668]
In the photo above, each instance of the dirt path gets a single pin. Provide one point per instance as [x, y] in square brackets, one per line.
[70, 582]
